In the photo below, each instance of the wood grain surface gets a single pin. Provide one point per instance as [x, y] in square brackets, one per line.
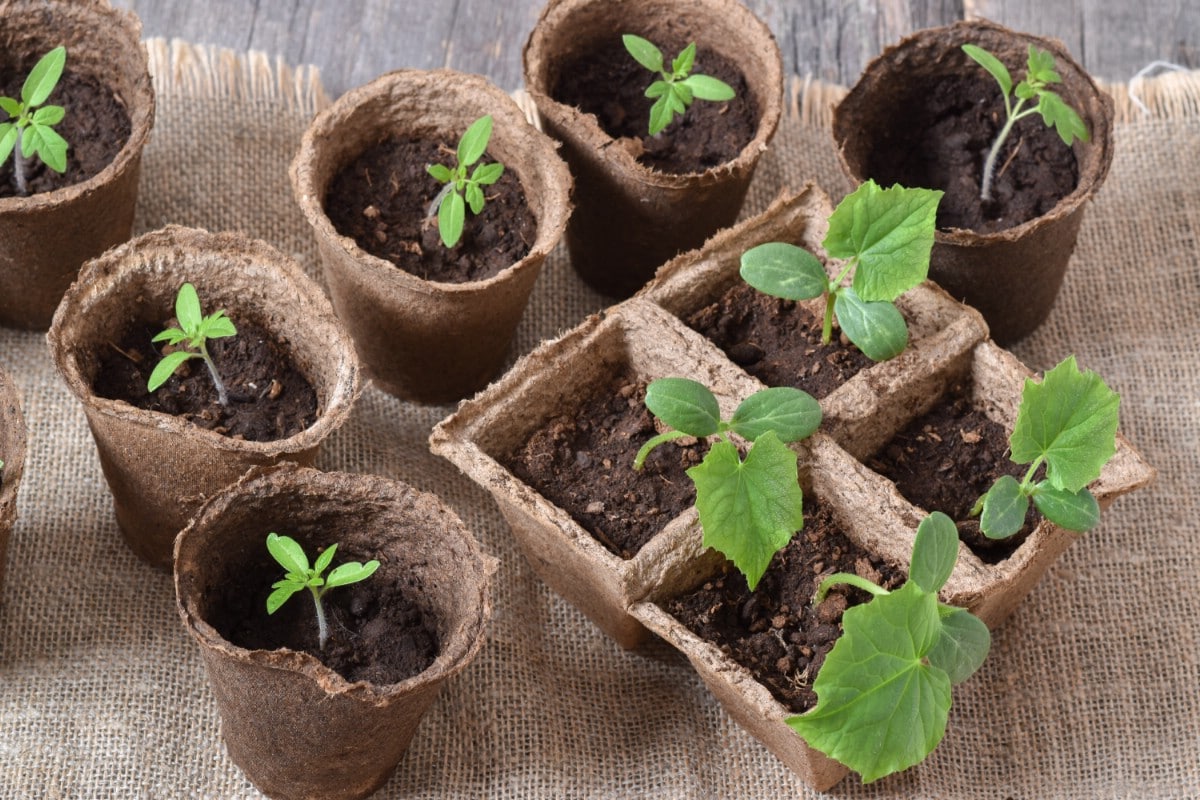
[352, 41]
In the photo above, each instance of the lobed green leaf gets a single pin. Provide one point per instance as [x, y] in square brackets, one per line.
[878, 329]
[792, 414]
[683, 62]
[475, 141]
[164, 369]
[1068, 124]
[709, 88]
[288, 552]
[1070, 419]
[935, 552]
[963, 644]
[881, 707]
[216, 326]
[784, 270]
[1004, 508]
[44, 77]
[1075, 511]
[1040, 66]
[993, 65]
[644, 52]
[487, 174]
[749, 510]
[890, 232]
[685, 405]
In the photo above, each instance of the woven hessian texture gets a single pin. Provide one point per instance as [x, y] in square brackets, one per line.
[1091, 688]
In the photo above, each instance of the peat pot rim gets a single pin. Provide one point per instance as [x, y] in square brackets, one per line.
[102, 26]
[397, 102]
[935, 45]
[172, 253]
[457, 646]
[765, 70]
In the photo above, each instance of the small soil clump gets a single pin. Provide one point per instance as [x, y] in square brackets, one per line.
[775, 631]
[382, 200]
[583, 463]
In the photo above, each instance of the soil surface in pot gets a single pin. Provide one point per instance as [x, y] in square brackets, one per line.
[269, 398]
[583, 463]
[775, 631]
[96, 127]
[943, 145]
[945, 459]
[378, 631]
[382, 199]
[608, 83]
[777, 341]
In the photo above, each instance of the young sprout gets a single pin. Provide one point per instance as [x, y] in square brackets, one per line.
[30, 130]
[460, 190]
[193, 334]
[883, 693]
[675, 90]
[290, 555]
[1069, 423]
[748, 509]
[1039, 74]
[886, 236]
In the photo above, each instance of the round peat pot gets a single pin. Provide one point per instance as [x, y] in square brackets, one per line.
[631, 218]
[428, 340]
[925, 114]
[297, 728]
[161, 466]
[12, 453]
[49, 233]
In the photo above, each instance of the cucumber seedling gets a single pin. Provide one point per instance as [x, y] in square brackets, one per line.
[886, 236]
[29, 130]
[675, 90]
[1039, 75]
[749, 509]
[883, 693]
[462, 190]
[191, 337]
[1068, 422]
[290, 555]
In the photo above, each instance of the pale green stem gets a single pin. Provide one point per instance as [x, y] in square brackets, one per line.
[850, 579]
[831, 298]
[19, 166]
[212, 370]
[322, 628]
[989, 166]
[640, 458]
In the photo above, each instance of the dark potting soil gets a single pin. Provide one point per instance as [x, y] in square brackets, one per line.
[381, 200]
[775, 631]
[378, 632]
[96, 127]
[583, 463]
[607, 82]
[945, 459]
[269, 398]
[944, 141]
[777, 341]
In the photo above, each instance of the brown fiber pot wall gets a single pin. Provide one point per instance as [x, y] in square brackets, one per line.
[160, 467]
[48, 236]
[630, 218]
[12, 453]
[424, 340]
[296, 728]
[1012, 276]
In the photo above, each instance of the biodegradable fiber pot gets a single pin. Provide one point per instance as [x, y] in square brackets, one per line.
[12, 453]
[424, 340]
[295, 727]
[48, 236]
[161, 467]
[631, 218]
[1012, 275]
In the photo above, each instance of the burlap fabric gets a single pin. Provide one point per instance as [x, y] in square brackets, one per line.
[1090, 691]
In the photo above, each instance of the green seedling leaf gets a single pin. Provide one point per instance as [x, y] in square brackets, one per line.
[935, 552]
[963, 646]
[992, 64]
[44, 77]
[10, 106]
[49, 115]
[29, 131]
[280, 596]
[164, 369]
[351, 572]
[461, 191]
[1075, 511]
[440, 173]
[674, 91]
[1057, 114]
[784, 270]
[452, 215]
[325, 559]
[882, 707]
[52, 148]
[878, 329]
[187, 308]
[1070, 420]
[475, 141]
[1040, 66]
[890, 232]
[288, 552]
[790, 413]
[1004, 508]
[644, 52]
[290, 555]
[193, 333]
[8, 140]
[685, 405]
[487, 174]
[751, 509]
